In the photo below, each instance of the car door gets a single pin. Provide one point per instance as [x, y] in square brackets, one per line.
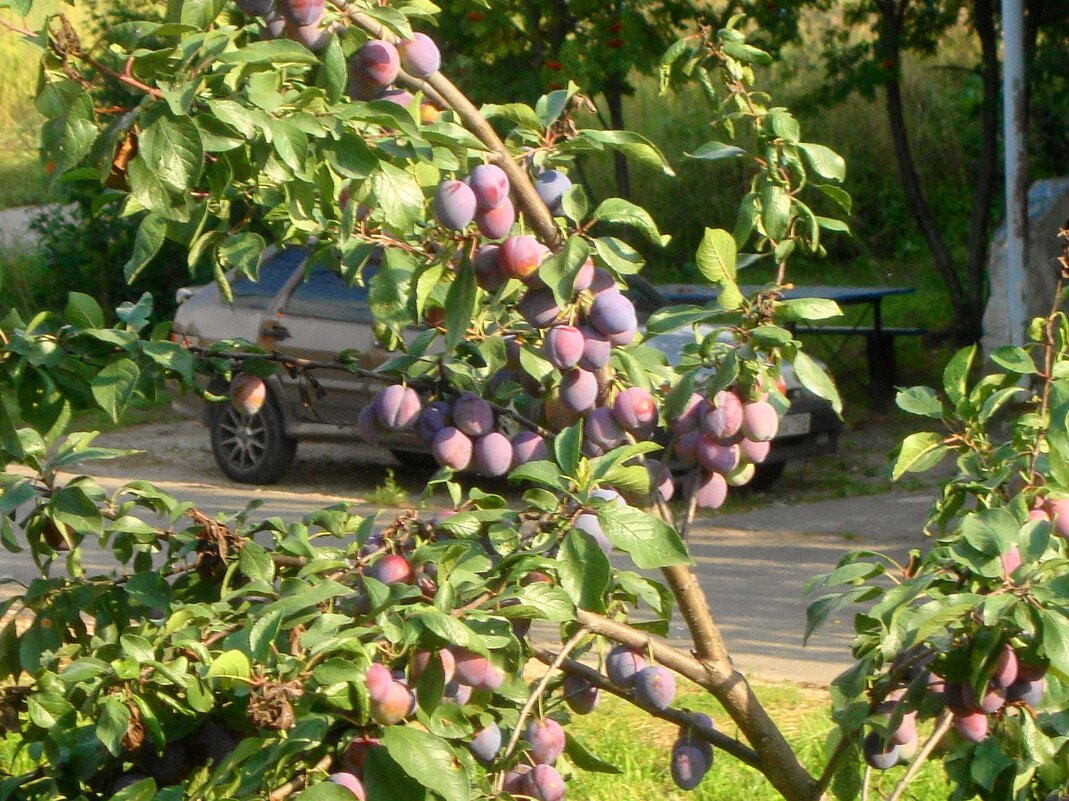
[321, 315]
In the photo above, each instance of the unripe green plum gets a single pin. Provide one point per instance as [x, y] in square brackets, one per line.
[689, 766]
[712, 491]
[397, 407]
[879, 755]
[473, 415]
[454, 205]
[622, 665]
[520, 257]
[248, 393]
[760, 421]
[655, 687]
[546, 738]
[350, 783]
[396, 705]
[490, 185]
[741, 475]
[496, 223]
[636, 411]
[452, 448]
[527, 446]
[492, 455]
[301, 12]
[971, 726]
[539, 308]
[420, 56]
[580, 695]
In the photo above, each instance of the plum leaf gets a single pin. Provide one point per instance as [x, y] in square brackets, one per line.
[428, 760]
[651, 542]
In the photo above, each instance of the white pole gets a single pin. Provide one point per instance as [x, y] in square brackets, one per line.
[1014, 128]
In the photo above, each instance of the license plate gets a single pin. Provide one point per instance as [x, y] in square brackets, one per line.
[794, 425]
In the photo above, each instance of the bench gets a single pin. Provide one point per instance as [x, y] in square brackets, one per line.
[879, 349]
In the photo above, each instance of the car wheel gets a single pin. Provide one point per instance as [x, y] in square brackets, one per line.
[766, 475]
[250, 449]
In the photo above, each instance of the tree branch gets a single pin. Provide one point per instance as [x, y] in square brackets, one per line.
[300, 782]
[941, 728]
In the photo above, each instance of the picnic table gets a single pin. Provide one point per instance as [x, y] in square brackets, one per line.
[866, 320]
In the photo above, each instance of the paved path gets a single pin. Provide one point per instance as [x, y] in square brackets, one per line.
[15, 226]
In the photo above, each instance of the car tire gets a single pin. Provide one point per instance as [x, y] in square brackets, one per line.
[766, 475]
[250, 450]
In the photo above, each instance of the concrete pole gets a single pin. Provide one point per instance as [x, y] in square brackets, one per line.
[1015, 131]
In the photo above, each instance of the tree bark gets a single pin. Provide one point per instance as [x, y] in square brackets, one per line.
[614, 99]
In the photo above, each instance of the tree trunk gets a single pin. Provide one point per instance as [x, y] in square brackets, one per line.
[987, 172]
[614, 98]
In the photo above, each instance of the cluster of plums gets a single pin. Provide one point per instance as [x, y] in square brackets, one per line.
[299, 20]
[1013, 681]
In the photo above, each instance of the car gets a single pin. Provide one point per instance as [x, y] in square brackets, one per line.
[311, 312]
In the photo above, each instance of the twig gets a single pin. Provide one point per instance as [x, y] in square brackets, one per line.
[941, 728]
[865, 783]
[298, 783]
[568, 647]
[833, 764]
[740, 751]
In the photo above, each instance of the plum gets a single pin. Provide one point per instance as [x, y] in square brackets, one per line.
[1058, 509]
[378, 681]
[908, 749]
[457, 693]
[623, 338]
[755, 452]
[314, 36]
[391, 568]
[602, 430]
[655, 687]
[248, 393]
[473, 415]
[580, 695]
[452, 448]
[712, 491]
[256, 8]
[1011, 560]
[558, 415]
[578, 390]
[563, 346]
[590, 524]
[622, 665]
[1038, 514]
[419, 660]
[717, 458]
[420, 56]
[397, 407]
[1005, 672]
[454, 205]
[490, 185]
[543, 783]
[722, 418]
[760, 421]
[471, 668]
[612, 313]
[520, 257]
[514, 779]
[496, 223]
[433, 418]
[349, 782]
[486, 743]
[687, 420]
[971, 726]
[274, 27]
[993, 700]
[660, 479]
[488, 273]
[689, 735]
[741, 475]
[492, 456]
[584, 276]
[687, 448]
[961, 698]
[397, 704]
[527, 446]
[602, 281]
[356, 754]
[635, 411]
[397, 96]
[689, 766]
[551, 186]
[596, 349]
[546, 738]
[302, 12]
[879, 755]
[1026, 692]
[906, 731]
[539, 308]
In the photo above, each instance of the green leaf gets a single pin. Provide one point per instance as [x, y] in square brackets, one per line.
[824, 161]
[1014, 359]
[256, 563]
[242, 252]
[839, 195]
[649, 540]
[276, 53]
[624, 212]
[172, 149]
[811, 309]
[516, 113]
[921, 401]
[1055, 639]
[584, 570]
[112, 724]
[716, 151]
[956, 374]
[114, 387]
[775, 211]
[542, 472]
[559, 271]
[918, 452]
[151, 234]
[784, 125]
[83, 311]
[398, 195]
[990, 531]
[583, 759]
[618, 255]
[567, 447]
[460, 305]
[814, 379]
[230, 665]
[428, 760]
[630, 144]
[672, 318]
[717, 256]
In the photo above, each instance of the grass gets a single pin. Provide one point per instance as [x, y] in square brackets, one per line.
[639, 745]
[389, 492]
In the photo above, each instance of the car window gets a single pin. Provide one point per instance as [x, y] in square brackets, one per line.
[274, 273]
[325, 295]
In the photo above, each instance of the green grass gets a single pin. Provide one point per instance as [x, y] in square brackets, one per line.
[639, 745]
[21, 272]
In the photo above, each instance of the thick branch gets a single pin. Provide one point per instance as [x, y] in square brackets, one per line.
[299, 783]
[778, 762]
[730, 745]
